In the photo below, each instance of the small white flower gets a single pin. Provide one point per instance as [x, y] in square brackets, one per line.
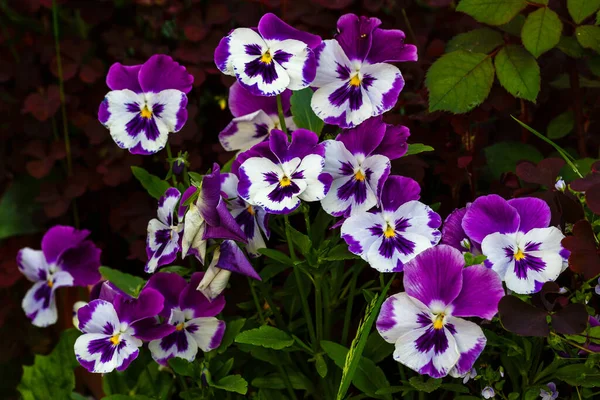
[488, 392]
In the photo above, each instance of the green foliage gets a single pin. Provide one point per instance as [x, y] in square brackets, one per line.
[425, 385]
[581, 9]
[232, 383]
[303, 115]
[589, 37]
[503, 157]
[416, 148]
[471, 259]
[265, 336]
[52, 376]
[496, 12]
[130, 284]
[561, 125]
[155, 186]
[17, 208]
[482, 40]
[276, 255]
[514, 26]
[570, 46]
[232, 328]
[518, 72]
[459, 81]
[594, 64]
[579, 375]
[541, 31]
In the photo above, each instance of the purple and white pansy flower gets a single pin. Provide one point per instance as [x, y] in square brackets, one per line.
[227, 258]
[164, 233]
[277, 174]
[354, 80]
[515, 237]
[403, 227]
[146, 103]
[208, 218]
[425, 323]
[359, 162]
[192, 315]
[251, 219]
[66, 259]
[254, 118]
[269, 59]
[114, 328]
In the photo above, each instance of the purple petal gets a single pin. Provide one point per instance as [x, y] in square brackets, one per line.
[161, 72]
[106, 290]
[192, 299]
[149, 304]
[453, 233]
[82, 262]
[533, 213]
[186, 195]
[489, 214]
[435, 275]
[388, 46]
[470, 342]
[148, 329]
[355, 35]
[60, 238]
[232, 258]
[271, 27]
[304, 142]
[242, 102]
[121, 77]
[393, 145]
[480, 294]
[260, 150]
[227, 227]
[210, 196]
[222, 55]
[170, 285]
[398, 190]
[365, 138]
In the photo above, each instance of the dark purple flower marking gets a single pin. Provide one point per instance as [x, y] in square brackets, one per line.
[106, 347]
[432, 339]
[177, 338]
[246, 221]
[265, 65]
[524, 261]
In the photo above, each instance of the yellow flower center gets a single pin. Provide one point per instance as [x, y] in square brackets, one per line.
[266, 58]
[519, 255]
[389, 232]
[115, 339]
[285, 181]
[145, 113]
[355, 80]
[250, 210]
[179, 326]
[439, 321]
[50, 283]
[359, 176]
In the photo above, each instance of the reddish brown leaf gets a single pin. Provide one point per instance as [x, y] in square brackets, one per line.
[544, 173]
[584, 258]
[522, 318]
[592, 198]
[43, 105]
[571, 320]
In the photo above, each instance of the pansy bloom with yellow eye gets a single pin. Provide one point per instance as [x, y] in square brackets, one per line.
[424, 321]
[403, 227]
[354, 78]
[66, 259]
[359, 162]
[146, 103]
[269, 59]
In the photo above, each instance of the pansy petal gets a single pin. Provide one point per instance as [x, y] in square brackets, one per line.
[339, 162]
[391, 254]
[453, 233]
[499, 248]
[317, 182]
[228, 228]
[210, 196]
[148, 304]
[382, 84]
[60, 238]
[122, 117]
[182, 209]
[178, 344]
[98, 316]
[398, 190]
[121, 77]
[416, 217]
[273, 28]
[169, 109]
[166, 206]
[246, 131]
[480, 294]
[529, 274]
[162, 245]
[489, 214]
[161, 72]
[377, 170]
[388, 46]
[97, 353]
[229, 183]
[223, 57]
[347, 195]
[207, 332]
[364, 138]
[470, 342]
[232, 258]
[194, 304]
[148, 329]
[32, 264]
[297, 60]
[193, 234]
[533, 213]
[548, 239]
[214, 280]
[242, 102]
[435, 276]
[332, 64]
[399, 315]
[393, 145]
[339, 103]
[355, 35]
[358, 233]
[39, 305]
[170, 285]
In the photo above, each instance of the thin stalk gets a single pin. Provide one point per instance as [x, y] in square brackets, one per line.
[278, 318]
[156, 393]
[306, 212]
[409, 26]
[318, 310]
[281, 115]
[348, 315]
[327, 312]
[286, 381]
[183, 383]
[170, 161]
[256, 302]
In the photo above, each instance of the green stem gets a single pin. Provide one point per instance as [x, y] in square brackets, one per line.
[281, 115]
[278, 318]
[349, 303]
[286, 381]
[318, 309]
[409, 26]
[183, 383]
[306, 212]
[256, 302]
[327, 312]
[151, 379]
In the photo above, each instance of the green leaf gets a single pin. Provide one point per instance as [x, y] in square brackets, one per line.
[321, 365]
[518, 72]
[515, 26]
[181, 366]
[594, 64]
[581, 9]
[301, 240]
[51, 374]
[459, 81]
[196, 178]
[561, 126]
[340, 253]
[563, 82]
[455, 387]
[179, 270]
[495, 12]
[77, 396]
[416, 148]
[570, 46]
[584, 166]
[275, 381]
[232, 328]
[130, 284]
[482, 40]
[266, 336]
[127, 397]
[503, 157]
[427, 386]
[303, 115]
[377, 349]
[155, 186]
[18, 206]
[579, 375]
[276, 255]
[589, 37]
[541, 31]
[232, 383]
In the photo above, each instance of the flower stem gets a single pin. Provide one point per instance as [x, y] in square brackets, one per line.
[256, 302]
[151, 379]
[349, 302]
[319, 309]
[280, 112]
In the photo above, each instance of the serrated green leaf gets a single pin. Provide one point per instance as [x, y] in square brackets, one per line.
[563, 82]
[377, 349]
[581, 9]
[266, 336]
[589, 37]
[518, 72]
[459, 81]
[304, 116]
[570, 46]
[416, 148]
[232, 328]
[18, 206]
[482, 40]
[130, 284]
[196, 178]
[422, 385]
[561, 126]
[496, 12]
[541, 31]
[503, 157]
[232, 383]
[276, 255]
[155, 186]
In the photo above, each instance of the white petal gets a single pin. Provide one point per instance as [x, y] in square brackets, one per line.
[193, 230]
[246, 131]
[357, 233]
[160, 354]
[94, 351]
[311, 167]
[493, 247]
[399, 315]
[336, 156]
[340, 114]
[377, 168]
[470, 342]
[296, 63]
[214, 280]
[377, 255]
[208, 332]
[419, 217]
[330, 56]
[171, 101]
[229, 184]
[32, 264]
[386, 76]
[39, 304]
[100, 316]
[121, 114]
